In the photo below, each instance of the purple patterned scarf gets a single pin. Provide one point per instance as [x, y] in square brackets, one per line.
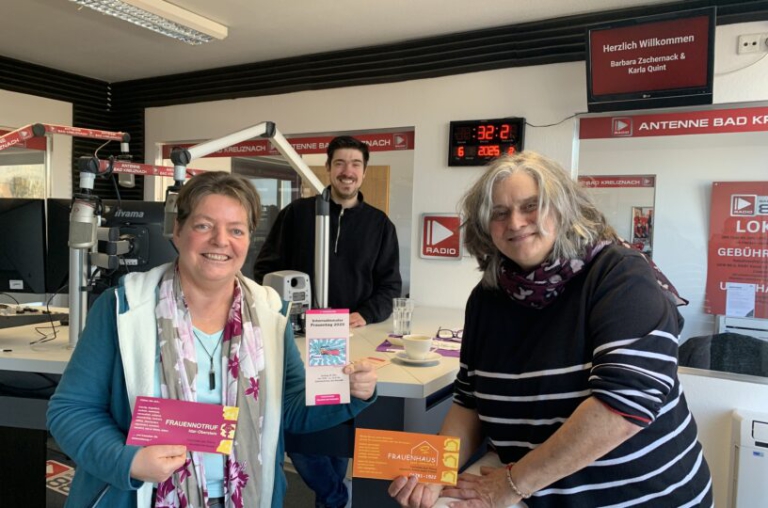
[540, 287]
[242, 360]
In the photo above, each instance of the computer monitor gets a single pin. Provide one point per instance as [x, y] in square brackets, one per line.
[142, 224]
[22, 248]
[57, 262]
[139, 222]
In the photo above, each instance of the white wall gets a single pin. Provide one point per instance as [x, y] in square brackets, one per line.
[712, 398]
[543, 94]
[20, 109]
[428, 105]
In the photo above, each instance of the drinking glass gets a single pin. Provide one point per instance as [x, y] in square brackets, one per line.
[402, 313]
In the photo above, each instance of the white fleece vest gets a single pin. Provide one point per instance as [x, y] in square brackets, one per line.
[137, 332]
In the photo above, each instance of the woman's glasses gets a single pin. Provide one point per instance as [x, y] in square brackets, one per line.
[447, 333]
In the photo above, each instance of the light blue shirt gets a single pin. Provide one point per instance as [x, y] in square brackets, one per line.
[212, 462]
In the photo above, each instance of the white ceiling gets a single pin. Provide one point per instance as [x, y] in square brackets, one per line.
[61, 35]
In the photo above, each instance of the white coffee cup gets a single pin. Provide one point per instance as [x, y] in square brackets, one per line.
[417, 347]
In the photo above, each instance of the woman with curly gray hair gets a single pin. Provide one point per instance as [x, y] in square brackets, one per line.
[569, 358]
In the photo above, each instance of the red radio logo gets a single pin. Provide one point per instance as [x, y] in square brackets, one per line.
[622, 126]
[441, 236]
[743, 204]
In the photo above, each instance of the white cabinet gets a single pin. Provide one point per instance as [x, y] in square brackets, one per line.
[749, 460]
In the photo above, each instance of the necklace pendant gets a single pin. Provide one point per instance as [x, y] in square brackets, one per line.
[212, 380]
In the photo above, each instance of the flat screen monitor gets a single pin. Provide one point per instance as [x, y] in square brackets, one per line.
[57, 262]
[139, 222]
[649, 62]
[22, 245]
[142, 223]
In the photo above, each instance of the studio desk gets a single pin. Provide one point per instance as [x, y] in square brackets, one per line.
[410, 398]
[23, 434]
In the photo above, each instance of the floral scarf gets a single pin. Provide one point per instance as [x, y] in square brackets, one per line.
[541, 286]
[242, 360]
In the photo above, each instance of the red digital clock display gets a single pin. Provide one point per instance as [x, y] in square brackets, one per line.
[476, 142]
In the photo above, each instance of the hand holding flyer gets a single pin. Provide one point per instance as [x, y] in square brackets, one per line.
[327, 353]
[200, 427]
[385, 455]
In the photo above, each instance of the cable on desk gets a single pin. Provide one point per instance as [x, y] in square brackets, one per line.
[46, 336]
[11, 297]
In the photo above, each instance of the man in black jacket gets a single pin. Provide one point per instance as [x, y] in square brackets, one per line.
[364, 273]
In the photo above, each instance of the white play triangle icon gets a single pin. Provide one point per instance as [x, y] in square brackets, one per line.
[438, 233]
[742, 203]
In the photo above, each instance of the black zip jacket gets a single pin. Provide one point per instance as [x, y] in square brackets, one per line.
[363, 263]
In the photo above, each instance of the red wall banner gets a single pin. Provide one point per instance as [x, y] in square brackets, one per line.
[738, 243]
[714, 121]
[380, 142]
[602, 182]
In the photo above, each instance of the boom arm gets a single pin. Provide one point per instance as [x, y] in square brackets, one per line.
[183, 156]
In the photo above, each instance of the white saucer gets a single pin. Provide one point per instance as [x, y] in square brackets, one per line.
[431, 357]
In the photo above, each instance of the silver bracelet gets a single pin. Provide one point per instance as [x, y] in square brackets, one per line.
[518, 492]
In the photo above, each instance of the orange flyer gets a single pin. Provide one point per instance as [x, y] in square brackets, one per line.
[385, 455]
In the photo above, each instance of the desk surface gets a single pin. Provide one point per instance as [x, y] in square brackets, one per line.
[399, 379]
[48, 358]
[395, 380]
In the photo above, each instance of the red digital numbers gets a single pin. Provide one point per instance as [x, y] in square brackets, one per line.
[476, 142]
[489, 151]
[485, 132]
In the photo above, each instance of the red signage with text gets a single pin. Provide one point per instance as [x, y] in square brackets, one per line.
[715, 121]
[441, 236]
[380, 142]
[21, 138]
[651, 56]
[738, 243]
[602, 182]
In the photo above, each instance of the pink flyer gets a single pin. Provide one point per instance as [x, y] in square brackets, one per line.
[327, 353]
[200, 427]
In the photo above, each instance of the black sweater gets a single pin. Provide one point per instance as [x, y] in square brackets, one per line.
[612, 335]
[363, 263]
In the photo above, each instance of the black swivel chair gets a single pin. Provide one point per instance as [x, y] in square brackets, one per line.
[726, 352]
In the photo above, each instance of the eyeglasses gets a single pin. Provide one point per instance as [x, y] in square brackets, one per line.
[447, 333]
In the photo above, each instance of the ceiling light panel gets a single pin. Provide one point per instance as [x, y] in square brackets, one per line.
[161, 17]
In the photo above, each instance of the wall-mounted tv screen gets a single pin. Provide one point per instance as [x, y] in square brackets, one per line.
[649, 62]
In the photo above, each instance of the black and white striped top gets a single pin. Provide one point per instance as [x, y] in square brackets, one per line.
[611, 335]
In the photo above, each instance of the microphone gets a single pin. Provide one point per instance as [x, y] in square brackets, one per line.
[83, 221]
[84, 217]
[170, 212]
[180, 158]
[125, 179]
